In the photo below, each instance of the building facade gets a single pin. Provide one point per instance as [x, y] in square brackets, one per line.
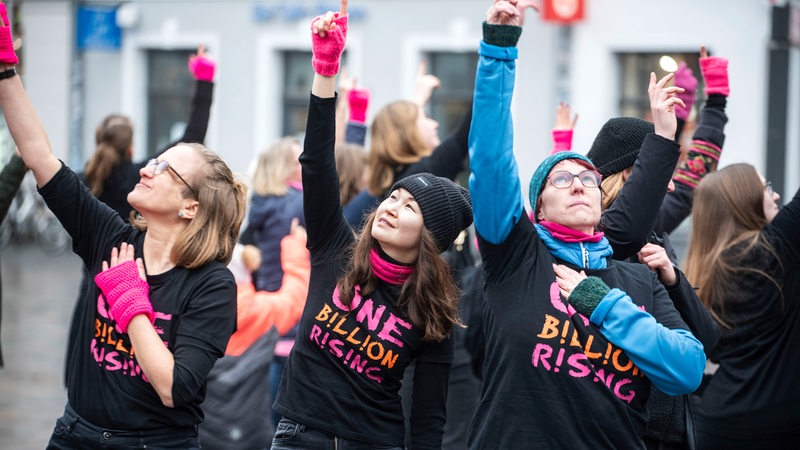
[83, 60]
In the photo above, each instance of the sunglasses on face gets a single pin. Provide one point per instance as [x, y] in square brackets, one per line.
[160, 166]
[562, 179]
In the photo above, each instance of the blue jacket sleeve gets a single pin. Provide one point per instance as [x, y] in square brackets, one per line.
[494, 178]
[673, 359]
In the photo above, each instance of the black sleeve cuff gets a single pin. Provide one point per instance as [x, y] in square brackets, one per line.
[501, 35]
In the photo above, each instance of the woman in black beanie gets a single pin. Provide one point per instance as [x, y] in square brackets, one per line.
[376, 302]
[634, 184]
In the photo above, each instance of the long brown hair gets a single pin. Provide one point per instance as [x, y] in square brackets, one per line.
[211, 235]
[430, 296]
[113, 140]
[727, 223]
[351, 162]
[395, 141]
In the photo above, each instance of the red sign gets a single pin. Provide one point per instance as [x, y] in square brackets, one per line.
[562, 11]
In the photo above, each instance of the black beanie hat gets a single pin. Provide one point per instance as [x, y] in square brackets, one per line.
[617, 145]
[446, 207]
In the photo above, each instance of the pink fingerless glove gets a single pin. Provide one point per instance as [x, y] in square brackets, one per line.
[358, 99]
[562, 141]
[327, 51]
[7, 55]
[126, 293]
[715, 73]
[202, 68]
[685, 78]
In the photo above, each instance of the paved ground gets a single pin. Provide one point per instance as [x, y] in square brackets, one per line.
[39, 291]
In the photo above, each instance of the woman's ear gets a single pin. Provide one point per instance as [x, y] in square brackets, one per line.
[189, 210]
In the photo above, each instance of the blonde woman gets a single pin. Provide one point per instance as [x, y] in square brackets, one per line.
[277, 199]
[162, 306]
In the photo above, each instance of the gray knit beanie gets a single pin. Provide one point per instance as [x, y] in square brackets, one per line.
[446, 207]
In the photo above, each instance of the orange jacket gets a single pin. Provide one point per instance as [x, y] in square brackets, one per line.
[258, 311]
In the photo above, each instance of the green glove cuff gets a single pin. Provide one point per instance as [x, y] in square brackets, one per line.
[588, 294]
[501, 35]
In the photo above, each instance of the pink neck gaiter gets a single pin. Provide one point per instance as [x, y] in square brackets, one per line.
[567, 234]
[389, 272]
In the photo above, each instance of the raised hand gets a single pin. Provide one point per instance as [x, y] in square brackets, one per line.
[424, 84]
[522, 5]
[201, 65]
[328, 37]
[663, 100]
[685, 78]
[655, 257]
[7, 54]
[564, 118]
[715, 73]
[504, 12]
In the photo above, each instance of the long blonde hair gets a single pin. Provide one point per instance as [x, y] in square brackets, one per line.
[212, 234]
[275, 166]
[612, 185]
[395, 141]
[727, 223]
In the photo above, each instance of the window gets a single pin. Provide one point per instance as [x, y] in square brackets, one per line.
[450, 101]
[297, 78]
[169, 92]
[634, 77]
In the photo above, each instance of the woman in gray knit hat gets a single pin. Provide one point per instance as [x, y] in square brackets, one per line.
[376, 302]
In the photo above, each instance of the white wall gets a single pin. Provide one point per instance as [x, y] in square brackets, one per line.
[385, 48]
[47, 52]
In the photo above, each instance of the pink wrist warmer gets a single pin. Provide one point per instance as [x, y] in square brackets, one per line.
[685, 78]
[327, 51]
[7, 55]
[126, 293]
[562, 141]
[202, 68]
[358, 99]
[715, 73]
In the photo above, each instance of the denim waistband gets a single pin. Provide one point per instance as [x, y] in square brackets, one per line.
[77, 421]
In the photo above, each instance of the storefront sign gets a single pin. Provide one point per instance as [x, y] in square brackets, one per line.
[563, 11]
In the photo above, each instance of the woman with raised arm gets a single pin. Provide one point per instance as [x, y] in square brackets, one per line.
[574, 339]
[376, 302]
[743, 257]
[162, 306]
[404, 140]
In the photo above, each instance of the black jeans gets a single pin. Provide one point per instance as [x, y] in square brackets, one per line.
[290, 435]
[73, 432]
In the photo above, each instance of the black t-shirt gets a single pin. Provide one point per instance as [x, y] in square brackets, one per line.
[546, 365]
[755, 391]
[344, 372]
[195, 315]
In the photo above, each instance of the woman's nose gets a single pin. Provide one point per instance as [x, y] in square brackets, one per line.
[671, 186]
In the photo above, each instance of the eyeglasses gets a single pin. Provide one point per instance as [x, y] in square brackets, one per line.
[768, 188]
[160, 166]
[562, 179]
